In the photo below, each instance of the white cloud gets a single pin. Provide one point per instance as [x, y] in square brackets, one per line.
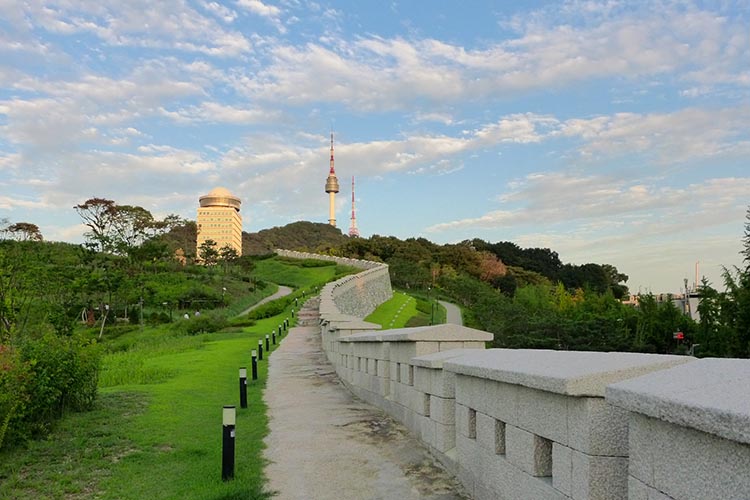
[213, 112]
[662, 42]
[553, 198]
[169, 24]
[682, 136]
[259, 8]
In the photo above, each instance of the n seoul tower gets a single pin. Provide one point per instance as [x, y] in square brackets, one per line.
[332, 187]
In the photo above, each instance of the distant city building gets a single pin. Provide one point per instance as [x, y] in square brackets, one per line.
[332, 187]
[219, 220]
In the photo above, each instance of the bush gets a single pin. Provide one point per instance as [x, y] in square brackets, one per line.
[269, 309]
[41, 380]
[206, 323]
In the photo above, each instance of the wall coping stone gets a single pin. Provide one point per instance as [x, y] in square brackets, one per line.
[710, 395]
[436, 333]
[339, 318]
[436, 359]
[572, 373]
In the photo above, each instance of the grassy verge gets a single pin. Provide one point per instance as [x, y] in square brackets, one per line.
[405, 311]
[156, 430]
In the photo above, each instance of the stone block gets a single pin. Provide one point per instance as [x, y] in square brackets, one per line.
[450, 345]
[445, 437]
[383, 368]
[709, 395]
[471, 392]
[636, 489]
[693, 464]
[563, 372]
[486, 432]
[562, 469]
[642, 448]
[529, 452]
[423, 379]
[543, 413]
[443, 410]
[372, 366]
[462, 420]
[599, 478]
[407, 374]
[597, 427]
[502, 401]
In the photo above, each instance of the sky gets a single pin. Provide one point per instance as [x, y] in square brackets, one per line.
[611, 132]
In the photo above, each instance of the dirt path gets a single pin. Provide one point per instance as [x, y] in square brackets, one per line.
[281, 292]
[452, 313]
[325, 444]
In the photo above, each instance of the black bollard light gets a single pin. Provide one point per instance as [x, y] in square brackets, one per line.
[273, 337]
[227, 443]
[243, 387]
[292, 312]
[268, 347]
[255, 365]
[260, 350]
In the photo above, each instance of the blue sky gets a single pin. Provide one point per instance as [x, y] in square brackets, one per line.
[611, 132]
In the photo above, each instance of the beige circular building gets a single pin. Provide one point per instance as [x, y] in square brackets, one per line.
[219, 219]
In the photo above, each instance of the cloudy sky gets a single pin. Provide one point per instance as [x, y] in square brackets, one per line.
[612, 132]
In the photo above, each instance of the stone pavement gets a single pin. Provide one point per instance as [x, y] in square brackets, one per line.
[326, 444]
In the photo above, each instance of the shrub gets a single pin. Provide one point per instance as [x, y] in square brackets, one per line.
[205, 323]
[43, 379]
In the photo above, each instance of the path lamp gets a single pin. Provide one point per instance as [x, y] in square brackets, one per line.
[243, 387]
[268, 347]
[167, 306]
[260, 350]
[227, 443]
[255, 364]
[273, 337]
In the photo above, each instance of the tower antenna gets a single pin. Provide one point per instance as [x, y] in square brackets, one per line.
[353, 231]
[332, 187]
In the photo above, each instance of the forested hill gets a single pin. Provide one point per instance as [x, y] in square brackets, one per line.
[301, 235]
[417, 262]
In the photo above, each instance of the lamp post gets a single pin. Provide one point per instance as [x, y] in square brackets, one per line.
[223, 292]
[166, 305]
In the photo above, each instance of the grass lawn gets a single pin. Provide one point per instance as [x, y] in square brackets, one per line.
[158, 436]
[404, 311]
[156, 429]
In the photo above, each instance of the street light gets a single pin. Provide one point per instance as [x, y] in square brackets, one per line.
[166, 304]
[223, 292]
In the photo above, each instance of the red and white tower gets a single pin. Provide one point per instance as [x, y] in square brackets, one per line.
[353, 231]
[332, 187]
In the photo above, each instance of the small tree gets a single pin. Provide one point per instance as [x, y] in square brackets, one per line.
[98, 215]
[24, 231]
[207, 252]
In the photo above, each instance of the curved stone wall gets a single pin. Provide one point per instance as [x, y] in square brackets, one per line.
[355, 295]
[538, 424]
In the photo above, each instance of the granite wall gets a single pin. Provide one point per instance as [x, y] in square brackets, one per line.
[521, 424]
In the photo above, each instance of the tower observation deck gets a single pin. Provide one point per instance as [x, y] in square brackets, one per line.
[332, 187]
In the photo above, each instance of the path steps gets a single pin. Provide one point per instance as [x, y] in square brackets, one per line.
[309, 315]
[325, 444]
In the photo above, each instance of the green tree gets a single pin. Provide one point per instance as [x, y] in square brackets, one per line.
[24, 231]
[208, 253]
[98, 215]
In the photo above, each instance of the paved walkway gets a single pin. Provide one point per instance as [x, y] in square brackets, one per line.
[281, 292]
[325, 444]
[452, 313]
